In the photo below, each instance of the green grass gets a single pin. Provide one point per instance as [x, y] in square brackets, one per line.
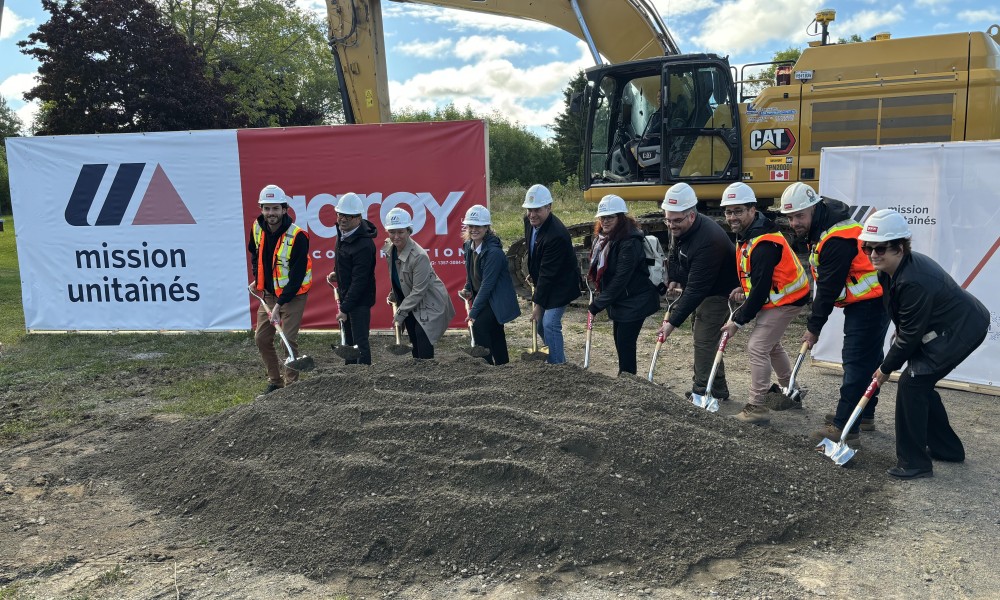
[11, 314]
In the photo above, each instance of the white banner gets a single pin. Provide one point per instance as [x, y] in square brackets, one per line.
[130, 232]
[950, 197]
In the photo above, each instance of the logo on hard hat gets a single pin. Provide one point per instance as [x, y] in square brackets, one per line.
[269, 195]
[872, 229]
[394, 219]
[810, 194]
[671, 200]
[731, 195]
[788, 207]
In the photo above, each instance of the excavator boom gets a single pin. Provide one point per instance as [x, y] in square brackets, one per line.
[617, 30]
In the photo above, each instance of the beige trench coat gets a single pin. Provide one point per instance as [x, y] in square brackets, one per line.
[425, 294]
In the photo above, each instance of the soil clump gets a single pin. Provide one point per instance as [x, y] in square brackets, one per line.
[410, 471]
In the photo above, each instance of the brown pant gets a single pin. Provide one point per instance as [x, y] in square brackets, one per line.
[291, 318]
[765, 352]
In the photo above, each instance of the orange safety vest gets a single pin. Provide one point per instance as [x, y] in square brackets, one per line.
[862, 279]
[282, 254]
[789, 282]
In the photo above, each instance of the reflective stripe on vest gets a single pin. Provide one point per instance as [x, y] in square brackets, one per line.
[279, 264]
[862, 279]
[789, 282]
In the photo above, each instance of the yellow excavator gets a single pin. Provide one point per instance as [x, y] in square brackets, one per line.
[653, 117]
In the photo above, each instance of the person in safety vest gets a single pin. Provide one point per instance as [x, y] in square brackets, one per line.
[846, 278]
[354, 274]
[282, 272]
[773, 288]
[938, 325]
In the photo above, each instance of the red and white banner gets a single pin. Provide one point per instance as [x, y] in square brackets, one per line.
[149, 231]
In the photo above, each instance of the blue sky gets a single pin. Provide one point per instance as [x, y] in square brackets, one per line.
[436, 56]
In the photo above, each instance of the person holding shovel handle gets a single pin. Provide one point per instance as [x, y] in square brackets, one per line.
[773, 288]
[621, 277]
[844, 277]
[423, 305]
[282, 271]
[938, 325]
[701, 260]
[354, 274]
[488, 285]
[552, 269]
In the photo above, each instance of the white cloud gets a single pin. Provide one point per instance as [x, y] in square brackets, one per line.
[13, 87]
[487, 47]
[748, 25]
[12, 23]
[424, 49]
[868, 21]
[27, 114]
[461, 20]
[980, 16]
[317, 7]
[675, 8]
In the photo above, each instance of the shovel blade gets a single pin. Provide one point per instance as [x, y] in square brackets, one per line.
[346, 352]
[477, 351]
[399, 349]
[839, 452]
[302, 363]
[706, 401]
[533, 356]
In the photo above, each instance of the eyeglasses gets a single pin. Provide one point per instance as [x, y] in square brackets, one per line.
[878, 250]
[735, 212]
[608, 218]
[675, 220]
[341, 217]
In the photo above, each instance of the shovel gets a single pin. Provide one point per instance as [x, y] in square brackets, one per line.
[590, 329]
[302, 363]
[399, 349]
[659, 340]
[535, 354]
[343, 350]
[792, 392]
[473, 349]
[706, 400]
[839, 451]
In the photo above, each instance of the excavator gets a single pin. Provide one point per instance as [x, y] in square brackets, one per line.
[653, 117]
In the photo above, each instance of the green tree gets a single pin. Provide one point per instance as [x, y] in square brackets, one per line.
[10, 126]
[516, 154]
[568, 130]
[766, 77]
[273, 54]
[113, 66]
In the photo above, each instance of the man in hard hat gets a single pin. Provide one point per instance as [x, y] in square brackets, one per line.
[702, 261]
[846, 278]
[938, 325]
[354, 274]
[552, 267]
[282, 271]
[773, 287]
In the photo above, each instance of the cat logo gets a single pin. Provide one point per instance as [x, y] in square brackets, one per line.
[775, 141]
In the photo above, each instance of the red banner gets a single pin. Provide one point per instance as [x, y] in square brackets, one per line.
[435, 171]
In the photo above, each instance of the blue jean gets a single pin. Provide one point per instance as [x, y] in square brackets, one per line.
[550, 328]
[865, 324]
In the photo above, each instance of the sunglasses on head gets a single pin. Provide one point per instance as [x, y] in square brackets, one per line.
[878, 250]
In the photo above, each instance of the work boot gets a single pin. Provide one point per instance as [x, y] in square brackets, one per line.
[866, 424]
[833, 433]
[270, 388]
[757, 415]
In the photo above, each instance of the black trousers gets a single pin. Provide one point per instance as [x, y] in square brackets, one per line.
[626, 335]
[420, 346]
[489, 333]
[356, 330]
[922, 428]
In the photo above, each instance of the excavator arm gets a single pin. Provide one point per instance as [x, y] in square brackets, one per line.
[617, 30]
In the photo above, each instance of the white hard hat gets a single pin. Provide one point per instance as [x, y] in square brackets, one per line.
[477, 215]
[611, 205]
[884, 226]
[738, 193]
[538, 196]
[272, 194]
[679, 197]
[397, 218]
[798, 196]
[350, 204]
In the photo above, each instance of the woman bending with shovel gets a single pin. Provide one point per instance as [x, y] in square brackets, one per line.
[621, 277]
[488, 285]
[422, 303]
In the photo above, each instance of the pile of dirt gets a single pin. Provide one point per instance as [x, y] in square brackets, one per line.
[411, 470]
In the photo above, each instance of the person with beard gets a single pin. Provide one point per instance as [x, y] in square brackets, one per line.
[282, 268]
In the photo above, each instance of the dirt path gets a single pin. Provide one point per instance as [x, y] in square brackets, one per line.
[227, 507]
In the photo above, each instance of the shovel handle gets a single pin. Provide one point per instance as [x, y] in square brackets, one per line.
[656, 353]
[798, 363]
[860, 407]
[395, 325]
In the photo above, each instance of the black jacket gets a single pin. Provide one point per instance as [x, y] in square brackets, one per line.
[626, 290]
[552, 264]
[355, 267]
[763, 260]
[834, 261]
[703, 261]
[938, 324]
[297, 262]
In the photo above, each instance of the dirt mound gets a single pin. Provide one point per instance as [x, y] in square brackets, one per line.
[409, 470]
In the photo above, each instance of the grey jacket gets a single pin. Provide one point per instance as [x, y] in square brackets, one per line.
[425, 294]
